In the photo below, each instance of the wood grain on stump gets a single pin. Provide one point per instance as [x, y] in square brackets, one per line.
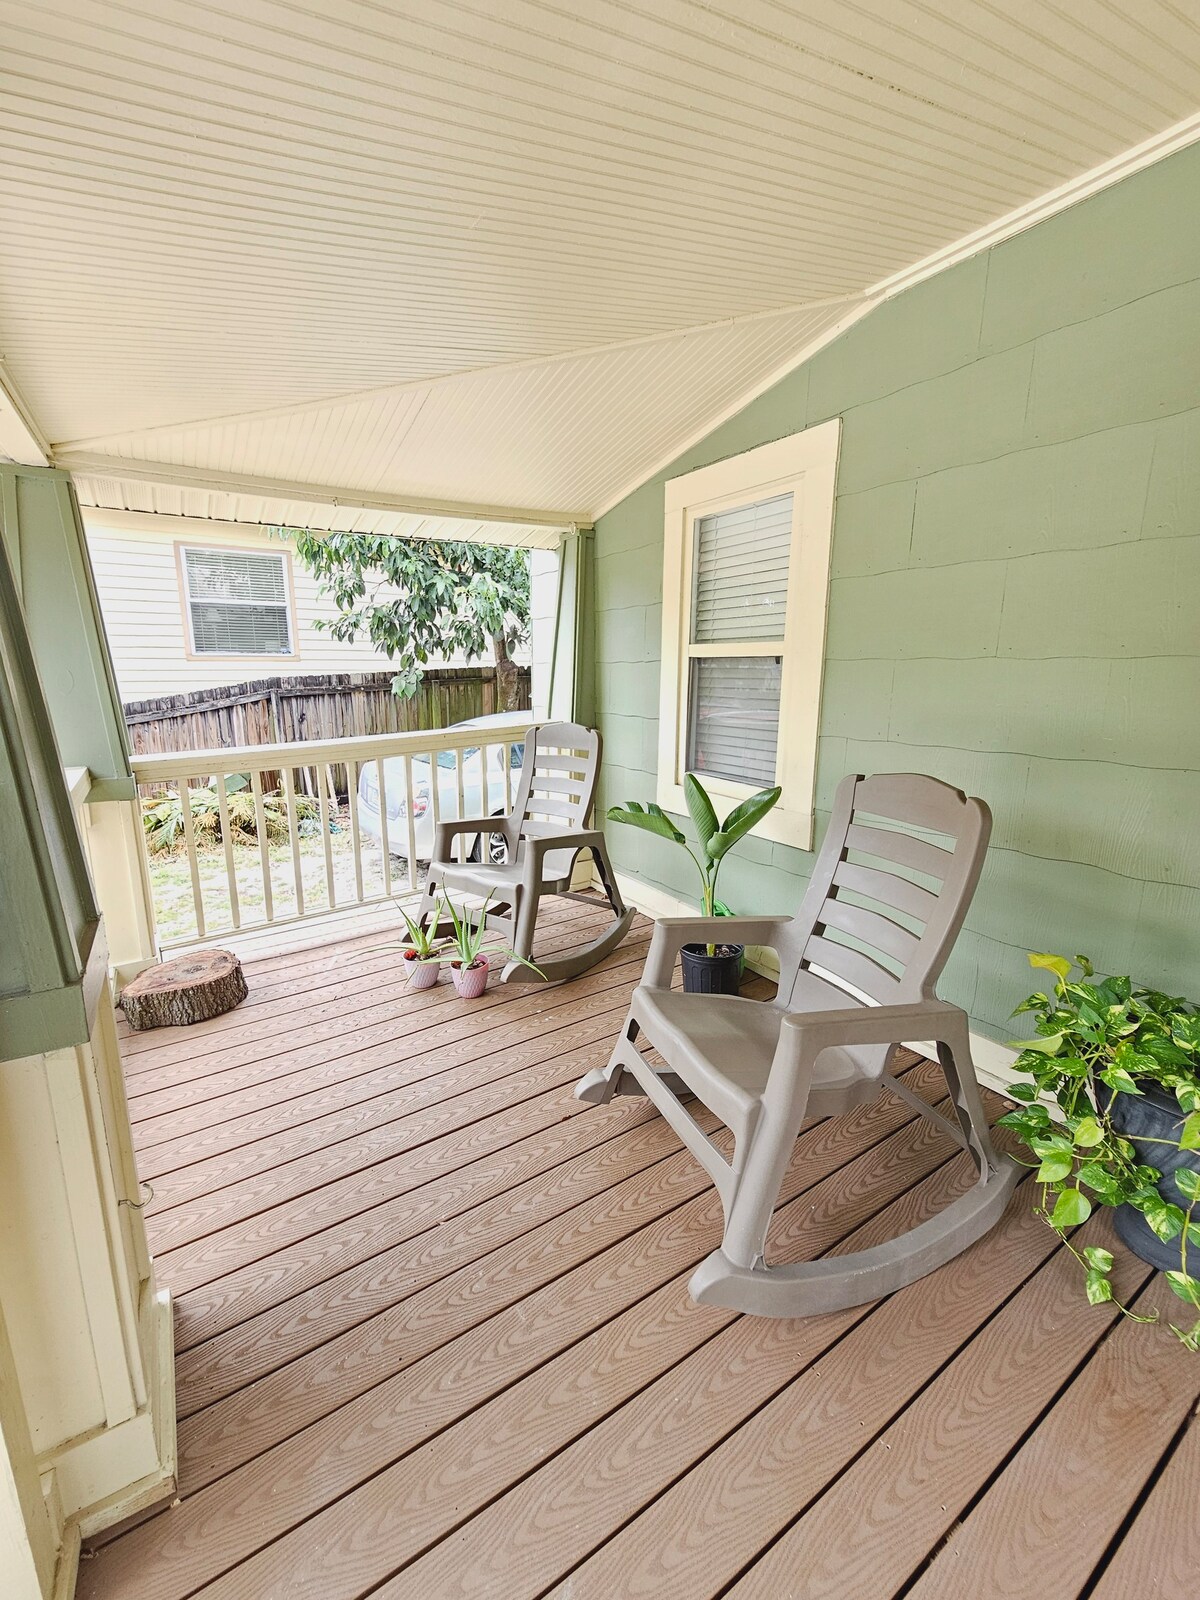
[188, 989]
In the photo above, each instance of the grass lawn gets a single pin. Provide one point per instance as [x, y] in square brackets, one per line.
[171, 881]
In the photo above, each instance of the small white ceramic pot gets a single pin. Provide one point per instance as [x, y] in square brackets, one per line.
[421, 974]
[471, 981]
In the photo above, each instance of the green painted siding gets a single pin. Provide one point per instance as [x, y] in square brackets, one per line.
[1015, 593]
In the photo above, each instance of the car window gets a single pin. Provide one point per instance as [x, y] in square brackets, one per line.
[445, 758]
[516, 754]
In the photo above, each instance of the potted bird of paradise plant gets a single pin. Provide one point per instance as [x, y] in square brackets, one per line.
[713, 968]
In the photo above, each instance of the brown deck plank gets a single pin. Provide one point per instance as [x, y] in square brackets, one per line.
[1044, 1523]
[336, 1069]
[257, 1501]
[158, 1062]
[445, 1338]
[877, 1501]
[619, 1374]
[287, 1330]
[1157, 1557]
[192, 1178]
[256, 1417]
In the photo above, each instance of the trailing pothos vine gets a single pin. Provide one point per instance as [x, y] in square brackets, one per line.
[1099, 1039]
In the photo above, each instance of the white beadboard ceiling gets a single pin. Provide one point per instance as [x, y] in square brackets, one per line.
[500, 255]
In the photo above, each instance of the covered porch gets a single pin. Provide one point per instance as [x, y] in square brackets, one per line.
[839, 370]
[433, 1332]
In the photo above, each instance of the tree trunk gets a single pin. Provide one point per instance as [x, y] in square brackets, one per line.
[508, 676]
[188, 989]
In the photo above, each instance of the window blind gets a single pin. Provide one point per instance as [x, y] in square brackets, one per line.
[741, 572]
[733, 717]
[238, 602]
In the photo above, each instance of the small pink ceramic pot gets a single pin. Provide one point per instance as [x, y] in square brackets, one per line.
[471, 981]
[421, 974]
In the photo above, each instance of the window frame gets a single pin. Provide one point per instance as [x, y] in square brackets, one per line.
[182, 546]
[805, 465]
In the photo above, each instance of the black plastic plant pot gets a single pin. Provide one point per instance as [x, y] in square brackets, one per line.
[716, 974]
[1154, 1115]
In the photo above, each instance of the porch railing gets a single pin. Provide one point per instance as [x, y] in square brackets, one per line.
[257, 836]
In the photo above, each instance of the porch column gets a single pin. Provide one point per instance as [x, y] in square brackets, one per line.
[86, 1363]
[50, 568]
[572, 685]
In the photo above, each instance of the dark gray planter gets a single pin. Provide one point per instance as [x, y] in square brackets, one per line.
[1153, 1115]
[716, 974]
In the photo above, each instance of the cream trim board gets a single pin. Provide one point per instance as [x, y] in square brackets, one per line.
[804, 464]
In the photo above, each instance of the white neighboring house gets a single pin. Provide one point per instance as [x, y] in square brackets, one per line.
[192, 604]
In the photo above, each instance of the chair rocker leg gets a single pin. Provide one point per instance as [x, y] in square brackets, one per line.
[813, 1288]
[599, 1086]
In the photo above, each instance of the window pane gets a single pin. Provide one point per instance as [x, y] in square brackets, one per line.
[232, 630]
[235, 575]
[741, 572]
[733, 718]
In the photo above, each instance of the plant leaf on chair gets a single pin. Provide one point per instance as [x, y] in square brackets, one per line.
[701, 808]
[740, 821]
[653, 819]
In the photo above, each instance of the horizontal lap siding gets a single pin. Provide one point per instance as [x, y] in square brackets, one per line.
[1015, 570]
[138, 584]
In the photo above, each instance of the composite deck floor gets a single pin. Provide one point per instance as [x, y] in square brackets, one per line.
[434, 1337]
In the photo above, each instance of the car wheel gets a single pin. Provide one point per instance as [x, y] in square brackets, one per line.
[498, 847]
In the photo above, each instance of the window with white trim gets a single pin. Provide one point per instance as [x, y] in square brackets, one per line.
[237, 601]
[745, 590]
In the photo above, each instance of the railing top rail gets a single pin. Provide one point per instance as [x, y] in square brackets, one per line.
[311, 752]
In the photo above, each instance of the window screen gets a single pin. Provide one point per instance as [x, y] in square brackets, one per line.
[739, 597]
[238, 603]
[733, 717]
[741, 576]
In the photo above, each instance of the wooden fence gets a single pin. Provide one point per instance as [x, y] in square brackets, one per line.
[294, 710]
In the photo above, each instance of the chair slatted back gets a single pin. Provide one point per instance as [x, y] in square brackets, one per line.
[890, 889]
[559, 772]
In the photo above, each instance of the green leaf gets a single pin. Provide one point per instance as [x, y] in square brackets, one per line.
[1189, 1137]
[1118, 1080]
[1188, 1183]
[1071, 1208]
[1021, 1091]
[1185, 1286]
[1099, 1260]
[1045, 1047]
[1088, 1133]
[700, 807]
[650, 821]
[1054, 1169]
[1098, 1287]
[740, 821]
[1058, 965]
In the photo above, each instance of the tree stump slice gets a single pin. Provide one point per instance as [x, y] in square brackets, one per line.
[188, 989]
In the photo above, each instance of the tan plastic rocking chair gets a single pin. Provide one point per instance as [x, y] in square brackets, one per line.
[824, 1044]
[544, 834]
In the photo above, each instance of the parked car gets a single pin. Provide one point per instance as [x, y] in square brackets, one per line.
[474, 803]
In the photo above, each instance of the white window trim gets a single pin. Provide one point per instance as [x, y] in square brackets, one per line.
[806, 465]
[200, 546]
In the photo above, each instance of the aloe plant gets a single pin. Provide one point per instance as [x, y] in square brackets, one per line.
[470, 939]
[715, 839]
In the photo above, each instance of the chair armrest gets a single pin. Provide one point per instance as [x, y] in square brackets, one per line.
[804, 1034]
[672, 933]
[445, 832]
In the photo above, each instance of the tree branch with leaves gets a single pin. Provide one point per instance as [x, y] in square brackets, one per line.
[422, 599]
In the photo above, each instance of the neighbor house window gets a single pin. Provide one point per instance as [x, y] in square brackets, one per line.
[237, 602]
[745, 587]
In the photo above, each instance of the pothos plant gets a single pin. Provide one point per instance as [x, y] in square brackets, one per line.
[1099, 1039]
[715, 839]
